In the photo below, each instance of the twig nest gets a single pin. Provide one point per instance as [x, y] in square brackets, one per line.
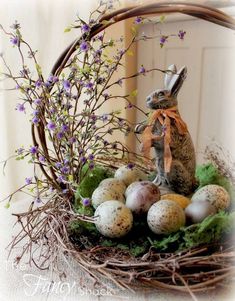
[165, 217]
[113, 219]
[214, 194]
[129, 174]
[196, 212]
[104, 194]
[113, 184]
[140, 196]
[178, 198]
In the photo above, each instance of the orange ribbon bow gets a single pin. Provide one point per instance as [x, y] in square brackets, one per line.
[164, 116]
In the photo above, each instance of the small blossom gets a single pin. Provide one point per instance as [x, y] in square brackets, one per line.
[38, 83]
[65, 191]
[142, 70]
[83, 160]
[33, 150]
[61, 179]
[51, 126]
[15, 25]
[91, 165]
[64, 128]
[163, 40]
[20, 107]
[85, 28]
[60, 135]
[35, 120]
[72, 140]
[104, 117]
[58, 165]
[91, 157]
[138, 20]
[130, 165]
[15, 40]
[105, 142]
[86, 202]
[65, 169]
[84, 46]
[89, 85]
[66, 84]
[129, 106]
[37, 201]
[20, 151]
[42, 159]
[37, 101]
[181, 34]
[28, 181]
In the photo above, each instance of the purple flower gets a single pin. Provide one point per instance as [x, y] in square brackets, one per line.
[72, 140]
[64, 128]
[129, 106]
[84, 46]
[37, 101]
[130, 165]
[163, 40]
[58, 165]
[85, 28]
[89, 85]
[105, 142]
[91, 165]
[86, 202]
[83, 160]
[91, 157]
[37, 201]
[28, 181]
[66, 85]
[51, 126]
[15, 40]
[35, 120]
[20, 107]
[142, 70]
[60, 135]
[38, 83]
[138, 20]
[65, 169]
[42, 159]
[20, 151]
[61, 179]
[33, 150]
[104, 117]
[181, 34]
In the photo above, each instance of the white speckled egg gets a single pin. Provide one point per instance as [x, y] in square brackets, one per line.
[114, 184]
[113, 219]
[103, 194]
[214, 194]
[165, 217]
[130, 174]
[141, 195]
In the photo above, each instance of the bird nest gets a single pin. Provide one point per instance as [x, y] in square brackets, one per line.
[47, 228]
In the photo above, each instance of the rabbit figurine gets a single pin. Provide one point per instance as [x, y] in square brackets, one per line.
[175, 154]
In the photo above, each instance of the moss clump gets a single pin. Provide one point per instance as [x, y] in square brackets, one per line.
[91, 180]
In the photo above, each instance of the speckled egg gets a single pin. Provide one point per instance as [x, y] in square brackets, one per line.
[114, 184]
[178, 198]
[130, 174]
[196, 212]
[165, 217]
[103, 194]
[113, 219]
[141, 195]
[214, 194]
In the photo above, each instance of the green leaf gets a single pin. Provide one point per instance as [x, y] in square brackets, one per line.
[7, 205]
[134, 93]
[67, 29]
[162, 19]
[39, 69]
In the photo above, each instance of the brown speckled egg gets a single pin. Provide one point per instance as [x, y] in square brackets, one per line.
[214, 194]
[130, 174]
[182, 200]
[103, 194]
[114, 184]
[165, 217]
[141, 195]
[196, 212]
[113, 219]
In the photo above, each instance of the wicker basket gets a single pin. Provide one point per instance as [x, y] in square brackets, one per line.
[188, 271]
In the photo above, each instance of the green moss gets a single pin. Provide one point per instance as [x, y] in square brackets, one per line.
[91, 180]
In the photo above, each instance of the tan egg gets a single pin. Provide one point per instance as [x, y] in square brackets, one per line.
[103, 194]
[165, 217]
[113, 184]
[178, 198]
[130, 174]
[215, 194]
[113, 219]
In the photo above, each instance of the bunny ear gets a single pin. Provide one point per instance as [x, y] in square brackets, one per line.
[177, 81]
[171, 70]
